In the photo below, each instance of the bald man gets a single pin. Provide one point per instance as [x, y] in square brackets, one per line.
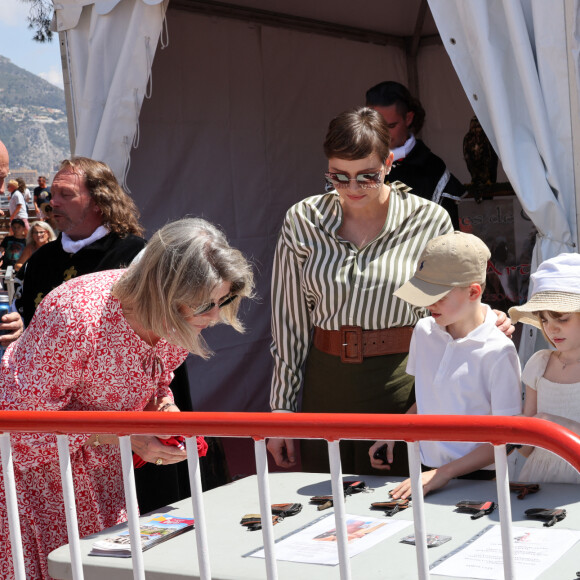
[4, 165]
[10, 323]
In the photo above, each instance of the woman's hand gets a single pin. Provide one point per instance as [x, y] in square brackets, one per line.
[378, 463]
[162, 404]
[282, 451]
[149, 448]
[11, 323]
[504, 323]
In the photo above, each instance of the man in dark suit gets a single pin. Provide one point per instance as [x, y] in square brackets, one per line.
[414, 164]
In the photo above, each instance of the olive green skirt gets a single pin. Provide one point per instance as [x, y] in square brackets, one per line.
[377, 385]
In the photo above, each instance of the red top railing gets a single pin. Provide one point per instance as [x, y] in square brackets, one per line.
[330, 426]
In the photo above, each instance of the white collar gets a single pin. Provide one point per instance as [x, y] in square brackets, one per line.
[479, 333]
[73, 246]
[404, 150]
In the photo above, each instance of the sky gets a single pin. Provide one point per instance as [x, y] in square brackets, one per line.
[42, 59]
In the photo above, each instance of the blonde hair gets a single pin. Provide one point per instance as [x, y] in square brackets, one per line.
[44, 226]
[182, 265]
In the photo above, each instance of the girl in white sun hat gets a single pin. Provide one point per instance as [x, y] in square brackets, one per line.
[552, 377]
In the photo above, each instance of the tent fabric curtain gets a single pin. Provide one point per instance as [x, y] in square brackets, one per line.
[233, 133]
[512, 59]
[110, 46]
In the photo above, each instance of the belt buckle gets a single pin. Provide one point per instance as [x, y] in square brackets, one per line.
[351, 332]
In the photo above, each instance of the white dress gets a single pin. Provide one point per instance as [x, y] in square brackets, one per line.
[556, 399]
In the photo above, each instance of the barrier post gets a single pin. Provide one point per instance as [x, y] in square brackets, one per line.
[198, 511]
[70, 508]
[505, 511]
[12, 507]
[265, 508]
[414, 453]
[339, 510]
[132, 509]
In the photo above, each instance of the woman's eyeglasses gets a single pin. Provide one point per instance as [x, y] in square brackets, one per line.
[363, 180]
[206, 308]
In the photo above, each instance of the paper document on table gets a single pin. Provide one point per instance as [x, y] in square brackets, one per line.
[316, 543]
[535, 550]
[153, 532]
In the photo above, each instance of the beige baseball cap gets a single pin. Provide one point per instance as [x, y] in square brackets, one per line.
[449, 261]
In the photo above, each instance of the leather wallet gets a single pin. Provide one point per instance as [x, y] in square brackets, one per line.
[476, 508]
[549, 516]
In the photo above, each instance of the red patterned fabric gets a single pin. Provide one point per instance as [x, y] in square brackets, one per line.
[79, 353]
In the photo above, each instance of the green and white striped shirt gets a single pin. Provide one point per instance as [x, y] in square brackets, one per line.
[320, 279]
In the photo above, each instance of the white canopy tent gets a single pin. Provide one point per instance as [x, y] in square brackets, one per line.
[241, 94]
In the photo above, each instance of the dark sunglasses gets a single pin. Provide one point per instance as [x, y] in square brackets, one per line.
[364, 180]
[205, 308]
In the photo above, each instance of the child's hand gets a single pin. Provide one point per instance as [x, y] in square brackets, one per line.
[430, 480]
[381, 454]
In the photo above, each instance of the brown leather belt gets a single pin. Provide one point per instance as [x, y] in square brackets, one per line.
[352, 343]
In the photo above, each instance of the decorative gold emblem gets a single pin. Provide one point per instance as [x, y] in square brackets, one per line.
[70, 273]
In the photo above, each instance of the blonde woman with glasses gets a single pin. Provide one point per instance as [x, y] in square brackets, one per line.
[38, 235]
[109, 341]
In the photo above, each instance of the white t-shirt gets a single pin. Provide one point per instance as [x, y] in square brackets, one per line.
[17, 199]
[475, 375]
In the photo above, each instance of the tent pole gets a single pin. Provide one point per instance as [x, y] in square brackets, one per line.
[412, 49]
[570, 8]
[68, 90]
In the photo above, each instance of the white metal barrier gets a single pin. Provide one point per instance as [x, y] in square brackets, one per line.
[332, 427]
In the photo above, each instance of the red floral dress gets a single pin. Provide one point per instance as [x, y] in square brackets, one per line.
[79, 354]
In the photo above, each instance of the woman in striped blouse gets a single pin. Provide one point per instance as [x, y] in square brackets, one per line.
[337, 328]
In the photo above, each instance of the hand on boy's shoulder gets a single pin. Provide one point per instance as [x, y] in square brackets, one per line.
[504, 323]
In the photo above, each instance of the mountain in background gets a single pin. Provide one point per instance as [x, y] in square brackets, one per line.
[33, 122]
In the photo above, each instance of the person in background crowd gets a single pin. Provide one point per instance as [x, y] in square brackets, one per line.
[13, 245]
[38, 235]
[10, 324]
[46, 214]
[4, 166]
[414, 163]
[24, 190]
[41, 195]
[17, 205]
[109, 341]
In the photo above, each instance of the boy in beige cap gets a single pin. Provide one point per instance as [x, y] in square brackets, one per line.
[463, 365]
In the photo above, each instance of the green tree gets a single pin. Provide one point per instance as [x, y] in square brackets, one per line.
[39, 19]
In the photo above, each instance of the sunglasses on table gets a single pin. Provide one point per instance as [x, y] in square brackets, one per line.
[364, 180]
[209, 306]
